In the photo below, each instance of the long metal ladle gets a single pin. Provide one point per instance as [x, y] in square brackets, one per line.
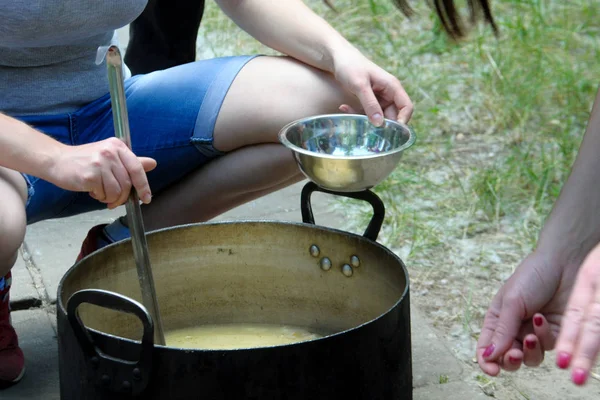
[114, 63]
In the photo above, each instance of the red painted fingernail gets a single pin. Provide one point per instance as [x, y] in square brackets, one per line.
[579, 376]
[514, 360]
[538, 321]
[563, 360]
[489, 350]
[530, 343]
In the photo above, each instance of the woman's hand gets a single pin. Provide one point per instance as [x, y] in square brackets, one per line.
[525, 316]
[294, 29]
[380, 93]
[579, 340]
[546, 281]
[106, 169]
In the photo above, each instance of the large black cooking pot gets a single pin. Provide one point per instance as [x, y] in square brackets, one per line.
[347, 287]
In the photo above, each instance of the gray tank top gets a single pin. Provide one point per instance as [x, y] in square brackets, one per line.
[48, 52]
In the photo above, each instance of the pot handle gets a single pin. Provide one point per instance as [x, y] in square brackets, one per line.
[376, 222]
[107, 372]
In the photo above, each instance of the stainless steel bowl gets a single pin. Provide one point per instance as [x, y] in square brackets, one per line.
[345, 152]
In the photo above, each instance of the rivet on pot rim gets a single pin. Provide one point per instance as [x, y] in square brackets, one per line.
[347, 270]
[325, 264]
[314, 250]
[95, 361]
[137, 374]
[126, 385]
[354, 261]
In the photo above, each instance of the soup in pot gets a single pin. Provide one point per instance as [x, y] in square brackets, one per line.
[237, 336]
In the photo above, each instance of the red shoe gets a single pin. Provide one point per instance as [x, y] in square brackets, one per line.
[12, 361]
[90, 243]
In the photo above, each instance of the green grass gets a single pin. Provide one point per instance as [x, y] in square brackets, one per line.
[528, 93]
[498, 123]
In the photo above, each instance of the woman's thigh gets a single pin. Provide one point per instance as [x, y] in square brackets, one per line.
[270, 92]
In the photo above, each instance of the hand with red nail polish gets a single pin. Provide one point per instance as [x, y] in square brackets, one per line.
[530, 343]
[563, 360]
[513, 359]
[578, 344]
[553, 290]
[524, 317]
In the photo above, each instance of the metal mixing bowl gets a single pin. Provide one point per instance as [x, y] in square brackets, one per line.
[345, 152]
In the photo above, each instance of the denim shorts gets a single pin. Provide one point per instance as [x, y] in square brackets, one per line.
[172, 115]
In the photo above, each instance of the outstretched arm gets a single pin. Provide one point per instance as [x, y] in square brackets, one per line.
[573, 227]
[544, 281]
[292, 28]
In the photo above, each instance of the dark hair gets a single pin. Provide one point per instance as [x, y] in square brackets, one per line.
[450, 17]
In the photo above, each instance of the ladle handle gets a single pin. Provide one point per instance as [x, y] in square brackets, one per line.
[108, 372]
[376, 222]
[114, 63]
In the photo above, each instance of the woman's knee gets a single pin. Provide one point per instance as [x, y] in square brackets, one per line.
[12, 230]
[270, 92]
[13, 221]
[12, 234]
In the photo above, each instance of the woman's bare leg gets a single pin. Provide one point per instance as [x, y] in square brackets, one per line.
[268, 93]
[13, 195]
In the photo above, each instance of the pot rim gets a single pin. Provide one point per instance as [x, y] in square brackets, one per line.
[61, 308]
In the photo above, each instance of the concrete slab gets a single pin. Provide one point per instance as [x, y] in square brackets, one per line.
[53, 245]
[449, 391]
[284, 205]
[432, 360]
[548, 382]
[23, 293]
[38, 341]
